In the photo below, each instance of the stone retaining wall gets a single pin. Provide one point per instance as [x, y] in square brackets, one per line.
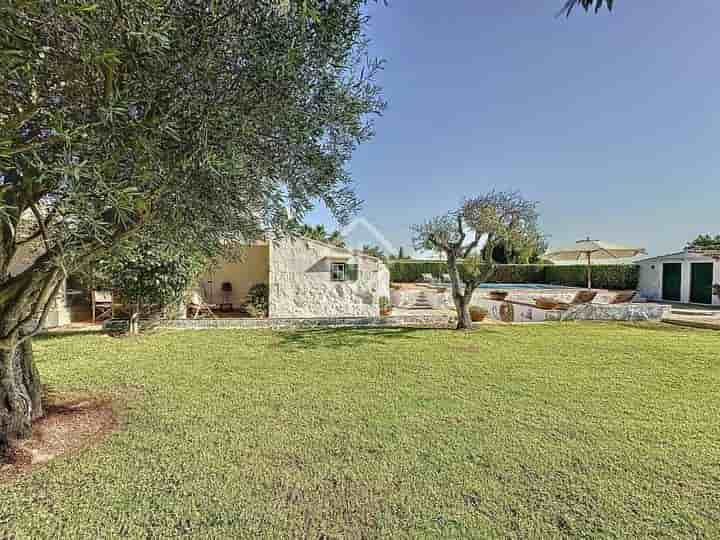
[420, 321]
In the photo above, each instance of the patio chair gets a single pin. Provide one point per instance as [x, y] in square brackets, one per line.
[102, 305]
[445, 278]
[427, 278]
[198, 307]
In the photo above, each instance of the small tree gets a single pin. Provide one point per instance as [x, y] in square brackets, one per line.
[468, 237]
[150, 273]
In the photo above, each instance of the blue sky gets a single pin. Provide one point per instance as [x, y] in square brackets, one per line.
[611, 122]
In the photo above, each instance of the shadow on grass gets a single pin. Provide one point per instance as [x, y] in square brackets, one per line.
[661, 327]
[324, 338]
[59, 334]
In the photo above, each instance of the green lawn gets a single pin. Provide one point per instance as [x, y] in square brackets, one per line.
[564, 430]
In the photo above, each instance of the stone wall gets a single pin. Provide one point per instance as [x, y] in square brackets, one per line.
[419, 321]
[300, 283]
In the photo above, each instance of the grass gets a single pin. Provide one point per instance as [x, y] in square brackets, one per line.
[566, 430]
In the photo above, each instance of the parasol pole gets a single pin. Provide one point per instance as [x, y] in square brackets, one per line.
[589, 271]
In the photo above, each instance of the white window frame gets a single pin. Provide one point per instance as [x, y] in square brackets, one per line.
[338, 265]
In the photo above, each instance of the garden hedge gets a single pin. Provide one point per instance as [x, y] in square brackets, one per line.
[618, 276]
[610, 276]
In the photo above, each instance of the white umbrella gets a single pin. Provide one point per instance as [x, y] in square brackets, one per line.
[587, 248]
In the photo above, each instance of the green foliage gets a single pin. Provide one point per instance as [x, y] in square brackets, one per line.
[373, 251]
[201, 121]
[321, 234]
[706, 241]
[554, 431]
[410, 271]
[258, 300]
[570, 5]
[619, 276]
[605, 276]
[150, 272]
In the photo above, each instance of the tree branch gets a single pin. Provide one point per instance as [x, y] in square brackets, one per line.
[470, 247]
[43, 316]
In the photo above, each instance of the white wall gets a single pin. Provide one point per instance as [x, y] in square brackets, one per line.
[251, 268]
[300, 284]
[651, 278]
[650, 281]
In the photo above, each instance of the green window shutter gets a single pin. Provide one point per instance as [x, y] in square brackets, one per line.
[351, 272]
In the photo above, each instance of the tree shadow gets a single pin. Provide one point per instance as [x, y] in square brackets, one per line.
[652, 326]
[59, 334]
[334, 338]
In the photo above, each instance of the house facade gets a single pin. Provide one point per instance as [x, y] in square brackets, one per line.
[306, 279]
[686, 277]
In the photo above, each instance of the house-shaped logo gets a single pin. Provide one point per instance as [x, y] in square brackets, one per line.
[363, 224]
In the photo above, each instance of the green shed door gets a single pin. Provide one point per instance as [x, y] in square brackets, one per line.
[701, 278]
[672, 280]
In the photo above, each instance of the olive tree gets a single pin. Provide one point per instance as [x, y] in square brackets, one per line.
[208, 121]
[468, 236]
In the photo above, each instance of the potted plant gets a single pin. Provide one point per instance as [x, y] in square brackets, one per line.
[478, 313]
[498, 295]
[385, 306]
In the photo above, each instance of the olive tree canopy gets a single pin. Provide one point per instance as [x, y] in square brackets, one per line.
[203, 120]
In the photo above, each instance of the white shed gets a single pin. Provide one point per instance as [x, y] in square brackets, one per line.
[686, 277]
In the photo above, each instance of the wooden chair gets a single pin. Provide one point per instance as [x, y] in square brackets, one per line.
[198, 307]
[102, 305]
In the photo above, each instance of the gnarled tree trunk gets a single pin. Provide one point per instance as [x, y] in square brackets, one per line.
[20, 397]
[26, 300]
[460, 299]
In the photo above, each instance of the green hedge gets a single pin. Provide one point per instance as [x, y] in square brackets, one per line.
[619, 276]
[615, 276]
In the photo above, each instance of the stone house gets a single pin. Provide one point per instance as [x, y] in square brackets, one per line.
[306, 278]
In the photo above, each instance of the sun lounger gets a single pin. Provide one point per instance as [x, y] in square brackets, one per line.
[581, 297]
[624, 297]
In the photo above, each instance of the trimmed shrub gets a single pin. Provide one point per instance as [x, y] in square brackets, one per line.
[518, 273]
[412, 271]
[615, 276]
[258, 301]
